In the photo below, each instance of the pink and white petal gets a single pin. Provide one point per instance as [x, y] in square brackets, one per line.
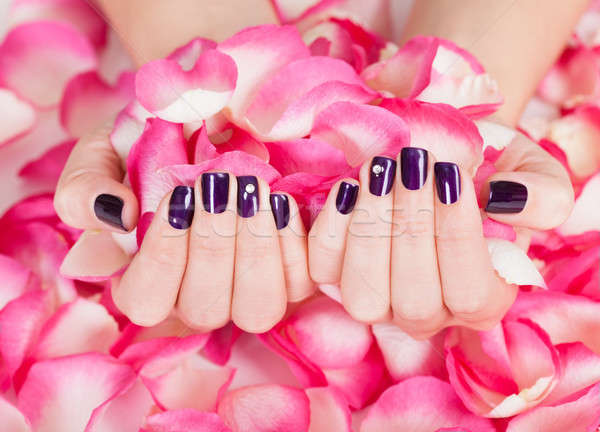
[281, 111]
[330, 39]
[220, 343]
[307, 155]
[240, 140]
[48, 167]
[21, 321]
[185, 420]
[265, 408]
[537, 117]
[161, 144]
[361, 131]
[406, 357]
[89, 102]
[56, 48]
[325, 333]
[74, 12]
[174, 94]
[498, 230]
[408, 406]
[128, 128]
[12, 419]
[441, 129]
[586, 212]
[188, 54]
[61, 394]
[16, 280]
[580, 415]
[512, 263]
[18, 117]
[125, 411]
[329, 410]
[83, 263]
[77, 327]
[277, 45]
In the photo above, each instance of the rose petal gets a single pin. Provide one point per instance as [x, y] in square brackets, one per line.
[408, 406]
[55, 48]
[308, 155]
[16, 279]
[18, 116]
[586, 212]
[185, 420]
[498, 230]
[129, 127]
[12, 419]
[188, 54]
[48, 167]
[265, 408]
[328, 410]
[513, 264]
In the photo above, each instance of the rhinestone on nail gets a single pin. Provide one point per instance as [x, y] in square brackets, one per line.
[250, 188]
[377, 169]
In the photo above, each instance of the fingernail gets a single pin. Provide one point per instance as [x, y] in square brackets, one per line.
[346, 197]
[181, 207]
[247, 202]
[383, 173]
[506, 197]
[447, 180]
[280, 206]
[215, 191]
[108, 209]
[413, 164]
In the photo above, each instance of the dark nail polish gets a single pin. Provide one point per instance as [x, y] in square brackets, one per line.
[247, 202]
[346, 197]
[181, 207]
[215, 191]
[280, 206]
[447, 180]
[413, 164]
[108, 209]
[383, 173]
[506, 197]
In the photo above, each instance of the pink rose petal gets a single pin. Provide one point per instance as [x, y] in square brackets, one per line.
[307, 155]
[129, 126]
[185, 420]
[55, 48]
[12, 419]
[586, 212]
[188, 54]
[48, 167]
[329, 410]
[16, 279]
[18, 116]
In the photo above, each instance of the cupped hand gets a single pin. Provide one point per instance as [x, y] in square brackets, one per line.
[406, 241]
[225, 249]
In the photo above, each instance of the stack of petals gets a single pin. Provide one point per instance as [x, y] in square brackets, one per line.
[301, 105]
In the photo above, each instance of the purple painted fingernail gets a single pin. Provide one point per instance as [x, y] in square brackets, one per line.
[108, 209]
[413, 164]
[383, 173]
[215, 191]
[447, 180]
[181, 207]
[506, 197]
[247, 202]
[346, 197]
[280, 206]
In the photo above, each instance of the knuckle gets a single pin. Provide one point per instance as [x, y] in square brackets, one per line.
[257, 323]
[418, 313]
[468, 307]
[369, 309]
[202, 318]
[215, 248]
[416, 225]
[323, 247]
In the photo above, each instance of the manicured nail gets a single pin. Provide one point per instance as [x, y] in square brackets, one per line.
[346, 197]
[413, 164]
[383, 173]
[447, 180]
[280, 206]
[181, 207]
[247, 202]
[506, 197]
[215, 191]
[108, 209]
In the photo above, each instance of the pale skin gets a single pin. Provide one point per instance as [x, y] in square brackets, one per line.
[424, 270]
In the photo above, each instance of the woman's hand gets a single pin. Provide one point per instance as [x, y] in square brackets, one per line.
[225, 249]
[406, 242]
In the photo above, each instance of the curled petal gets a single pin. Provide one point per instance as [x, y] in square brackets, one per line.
[185, 420]
[265, 408]
[408, 406]
[55, 48]
[361, 131]
[513, 264]
[188, 54]
[586, 212]
[48, 167]
[18, 116]
[181, 96]
[129, 126]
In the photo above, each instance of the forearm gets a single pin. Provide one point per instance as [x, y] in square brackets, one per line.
[515, 40]
[151, 29]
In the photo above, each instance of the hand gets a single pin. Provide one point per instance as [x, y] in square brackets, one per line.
[211, 261]
[406, 241]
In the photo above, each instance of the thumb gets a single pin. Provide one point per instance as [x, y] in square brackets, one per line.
[90, 193]
[530, 189]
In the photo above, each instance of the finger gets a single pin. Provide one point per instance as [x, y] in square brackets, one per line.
[292, 242]
[531, 189]
[149, 287]
[416, 293]
[90, 193]
[205, 298]
[365, 282]
[327, 237]
[259, 297]
[472, 290]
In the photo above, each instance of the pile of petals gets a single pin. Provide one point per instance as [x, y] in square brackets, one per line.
[325, 92]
